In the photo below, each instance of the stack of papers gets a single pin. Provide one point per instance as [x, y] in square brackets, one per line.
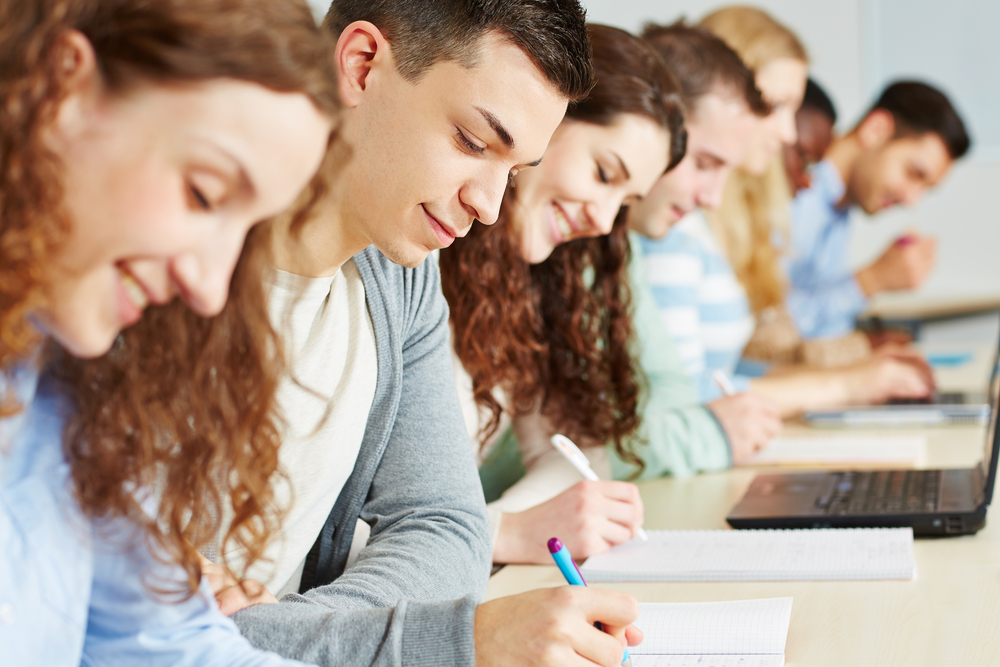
[759, 555]
[743, 633]
[844, 450]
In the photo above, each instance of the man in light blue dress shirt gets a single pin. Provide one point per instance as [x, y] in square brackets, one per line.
[904, 146]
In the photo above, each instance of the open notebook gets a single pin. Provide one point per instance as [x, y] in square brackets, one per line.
[759, 555]
[741, 633]
[843, 450]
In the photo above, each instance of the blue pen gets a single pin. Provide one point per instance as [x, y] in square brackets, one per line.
[564, 561]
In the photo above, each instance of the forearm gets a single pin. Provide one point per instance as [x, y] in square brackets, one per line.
[414, 634]
[797, 390]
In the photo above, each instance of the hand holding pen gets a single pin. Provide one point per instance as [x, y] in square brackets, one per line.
[564, 561]
[578, 460]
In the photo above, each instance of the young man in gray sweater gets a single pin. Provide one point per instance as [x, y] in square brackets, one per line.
[444, 100]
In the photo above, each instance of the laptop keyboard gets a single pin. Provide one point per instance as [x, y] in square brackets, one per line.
[882, 492]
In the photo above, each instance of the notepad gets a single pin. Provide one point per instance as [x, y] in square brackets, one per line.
[741, 633]
[843, 450]
[759, 555]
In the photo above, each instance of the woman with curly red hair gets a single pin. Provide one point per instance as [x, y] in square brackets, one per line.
[140, 140]
[540, 301]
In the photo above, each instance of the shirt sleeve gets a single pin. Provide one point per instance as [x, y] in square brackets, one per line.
[828, 309]
[677, 435]
[824, 297]
[410, 597]
[128, 624]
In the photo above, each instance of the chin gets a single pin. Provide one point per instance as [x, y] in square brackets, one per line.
[84, 344]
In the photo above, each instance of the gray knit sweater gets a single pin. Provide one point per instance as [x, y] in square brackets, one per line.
[410, 598]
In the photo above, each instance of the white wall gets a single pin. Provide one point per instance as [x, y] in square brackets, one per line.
[844, 48]
[839, 35]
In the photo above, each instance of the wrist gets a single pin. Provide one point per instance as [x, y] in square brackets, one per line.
[510, 545]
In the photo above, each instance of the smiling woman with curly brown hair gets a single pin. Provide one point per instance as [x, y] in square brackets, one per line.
[540, 305]
[140, 140]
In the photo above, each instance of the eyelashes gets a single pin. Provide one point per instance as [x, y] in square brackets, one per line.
[199, 199]
[464, 140]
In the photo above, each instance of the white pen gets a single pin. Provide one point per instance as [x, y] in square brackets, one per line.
[568, 448]
[725, 384]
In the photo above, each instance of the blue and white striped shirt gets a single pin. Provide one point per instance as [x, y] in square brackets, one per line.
[703, 304]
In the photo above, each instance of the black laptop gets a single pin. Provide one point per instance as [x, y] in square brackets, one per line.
[932, 502]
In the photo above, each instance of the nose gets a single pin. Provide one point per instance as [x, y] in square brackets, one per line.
[709, 194]
[482, 196]
[601, 215]
[202, 276]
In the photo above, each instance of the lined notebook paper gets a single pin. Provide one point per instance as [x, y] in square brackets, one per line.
[842, 450]
[759, 555]
[742, 633]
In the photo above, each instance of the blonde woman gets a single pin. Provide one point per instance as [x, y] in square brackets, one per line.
[732, 275]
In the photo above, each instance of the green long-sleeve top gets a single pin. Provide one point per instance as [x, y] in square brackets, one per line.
[677, 435]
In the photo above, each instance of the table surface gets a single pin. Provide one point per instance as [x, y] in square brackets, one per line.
[948, 616]
[916, 306]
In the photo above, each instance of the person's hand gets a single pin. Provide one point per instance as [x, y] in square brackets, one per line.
[890, 374]
[904, 265]
[554, 627]
[230, 594]
[589, 518]
[750, 422]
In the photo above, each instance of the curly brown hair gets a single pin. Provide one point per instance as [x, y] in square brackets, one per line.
[181, 404]
[557, 336]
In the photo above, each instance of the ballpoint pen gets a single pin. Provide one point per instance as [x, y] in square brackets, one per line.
[578, 459]
[725, 384]
[564, 561]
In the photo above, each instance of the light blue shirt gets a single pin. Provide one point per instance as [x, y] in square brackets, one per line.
[73, 591]
[824, 298]
[701, 301]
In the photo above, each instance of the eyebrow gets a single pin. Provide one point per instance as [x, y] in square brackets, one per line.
[498, 127]
[240, 173]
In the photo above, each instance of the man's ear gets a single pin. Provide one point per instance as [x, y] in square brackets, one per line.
[362, 52]
[79, 79]
[876, 130]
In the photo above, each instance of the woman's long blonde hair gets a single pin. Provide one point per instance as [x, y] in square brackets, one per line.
[755, 209]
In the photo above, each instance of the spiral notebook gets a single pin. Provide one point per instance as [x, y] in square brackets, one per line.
[759, 555]
[741, 633]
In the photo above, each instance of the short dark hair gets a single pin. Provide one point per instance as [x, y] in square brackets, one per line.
[817, 99]
[553, 33]
[703, 64]
[632, 78]
[918, 108]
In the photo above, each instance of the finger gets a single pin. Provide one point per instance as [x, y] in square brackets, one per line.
[627, 513]
[633, 635]
[232, 600]
[614, 533]
[613, 609]
[622, 491]
[599, 647]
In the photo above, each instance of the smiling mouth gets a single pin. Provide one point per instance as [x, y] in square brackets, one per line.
[133, 290]
[562, 222]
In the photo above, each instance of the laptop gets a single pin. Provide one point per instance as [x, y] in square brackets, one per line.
[932, 502]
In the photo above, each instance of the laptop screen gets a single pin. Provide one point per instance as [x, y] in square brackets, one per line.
[988, 467]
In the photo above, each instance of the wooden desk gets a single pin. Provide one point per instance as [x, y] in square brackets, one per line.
[948, 617]
[896, 307]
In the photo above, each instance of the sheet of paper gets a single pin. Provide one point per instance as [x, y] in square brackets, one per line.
[759, 555]
[708, 661]
[735, 628]
[843, 450]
